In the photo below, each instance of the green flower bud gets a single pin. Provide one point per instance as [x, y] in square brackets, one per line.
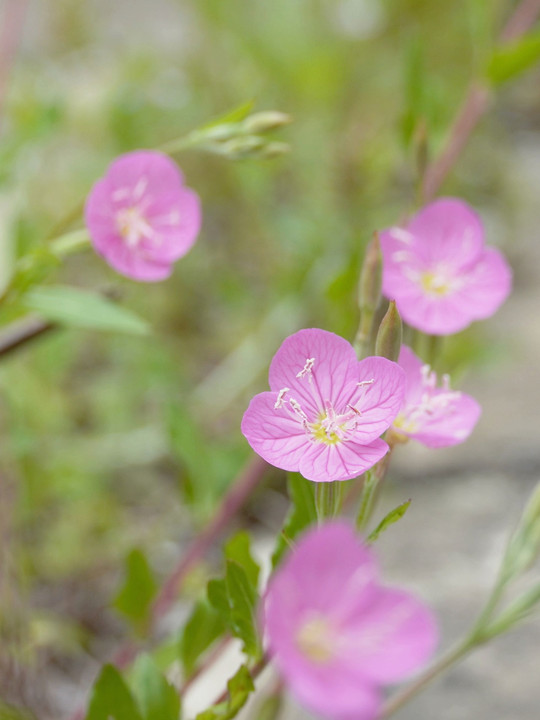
[264, 121]
[388, 342]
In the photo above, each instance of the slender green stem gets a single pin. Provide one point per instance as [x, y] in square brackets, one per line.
[367, 500]
[70, 242]
[402, 697]
[328, 499]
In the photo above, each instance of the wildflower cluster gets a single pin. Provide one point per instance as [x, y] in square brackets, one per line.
[336, 633]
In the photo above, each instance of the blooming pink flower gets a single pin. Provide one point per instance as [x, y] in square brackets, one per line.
[435, 416]
[337, 634]
[325, 410]
[438, 270]
[141, 217]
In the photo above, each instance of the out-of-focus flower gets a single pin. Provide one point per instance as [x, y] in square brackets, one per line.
[435, 416]
[337, 634]
[325, 410]
[439, 272]
[141, 218]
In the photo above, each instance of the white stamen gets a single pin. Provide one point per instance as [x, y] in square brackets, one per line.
[281, 394]
[299, 412]
[363, 383]
[306, 370]
[140, 187]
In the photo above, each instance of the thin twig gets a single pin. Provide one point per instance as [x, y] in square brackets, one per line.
[21, 331]
[474, 106]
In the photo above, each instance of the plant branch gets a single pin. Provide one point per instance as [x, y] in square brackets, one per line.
[474, 106]
[401, 698]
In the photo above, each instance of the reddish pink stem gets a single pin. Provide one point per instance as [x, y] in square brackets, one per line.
[474, 106]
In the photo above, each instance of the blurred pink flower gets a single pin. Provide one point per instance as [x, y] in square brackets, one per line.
[325, 410]
[439, 272]
[140, 216]
[335, 633]
[435, 416]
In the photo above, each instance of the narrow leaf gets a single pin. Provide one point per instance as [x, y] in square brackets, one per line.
[203, 627]
[239, 688]
[302, 514]
[158, 699]
[242, 602]
[138, 590]
[111, 698]
[392, 517]
[80, 308]
[238, 549]
[514, 58]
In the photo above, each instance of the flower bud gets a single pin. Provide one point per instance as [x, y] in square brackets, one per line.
[388, 342]
[264, 121]
[369, 289]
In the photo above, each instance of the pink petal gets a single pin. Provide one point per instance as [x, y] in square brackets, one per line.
[379, 402]
[174, 239]
[435, 315]
[412, 366]
[391, 639]
[133, 264]
[342, 461]
[448, 230]
[276, 436]
[487, 285]
[335, 365]
[450, 428]
[336, 693]
[159, 173]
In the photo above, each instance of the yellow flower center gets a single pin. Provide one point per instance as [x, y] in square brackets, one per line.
[316, 639]
[435, 284]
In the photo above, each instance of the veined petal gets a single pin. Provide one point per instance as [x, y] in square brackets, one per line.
[312, 383]
[276, 436]
[342, 461]
[378, 402]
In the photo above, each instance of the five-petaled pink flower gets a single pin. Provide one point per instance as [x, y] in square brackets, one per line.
[438, 270]
[337, 634]
[325, 410]
[435, 416]
[141, 218]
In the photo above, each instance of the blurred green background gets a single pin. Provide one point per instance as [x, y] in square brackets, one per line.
[111, 442]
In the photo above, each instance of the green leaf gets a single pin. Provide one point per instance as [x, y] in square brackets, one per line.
[111, 698]
[242, 602]
[239, 688]
[238, 549]
[302, 514]
[392, 517]
[216, 591]
[135, 597]
[80, 308]
[158, 699]
[514, 58]
[203, 627]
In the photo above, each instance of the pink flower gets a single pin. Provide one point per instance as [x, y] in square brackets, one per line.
[325, 410]
[439, 272]
[140, 216]
[337, 634]
[435, 416]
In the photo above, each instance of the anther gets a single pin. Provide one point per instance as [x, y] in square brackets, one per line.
[281, 394]
[306, 370]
